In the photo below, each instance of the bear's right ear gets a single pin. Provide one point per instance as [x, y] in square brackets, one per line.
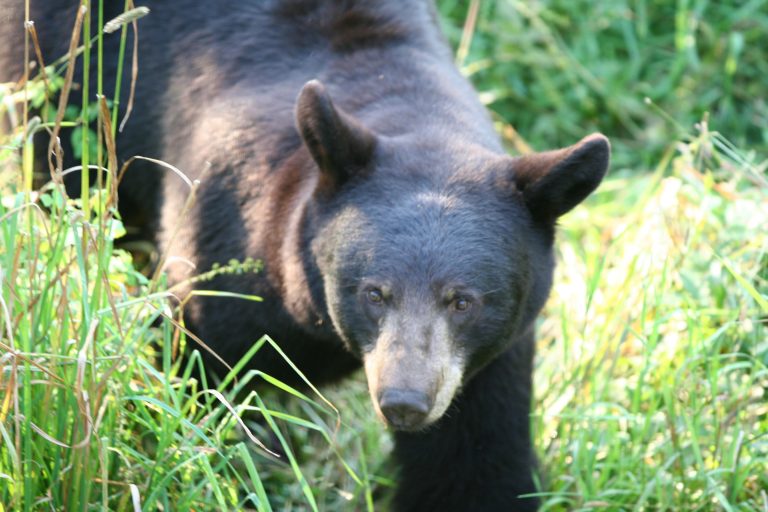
[338, 143]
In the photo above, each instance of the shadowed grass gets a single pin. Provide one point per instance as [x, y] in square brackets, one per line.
[558, 69]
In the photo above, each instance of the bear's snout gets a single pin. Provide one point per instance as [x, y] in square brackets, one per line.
[412, 379]
[404, 409]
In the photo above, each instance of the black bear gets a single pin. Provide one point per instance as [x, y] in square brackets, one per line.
[337, 142]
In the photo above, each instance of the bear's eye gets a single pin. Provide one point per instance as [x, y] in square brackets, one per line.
[461, 304]
[374, 296]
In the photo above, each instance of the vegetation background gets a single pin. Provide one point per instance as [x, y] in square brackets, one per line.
[652, 367]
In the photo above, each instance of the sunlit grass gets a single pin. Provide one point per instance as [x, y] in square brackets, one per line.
[653, 362]
[97, 409]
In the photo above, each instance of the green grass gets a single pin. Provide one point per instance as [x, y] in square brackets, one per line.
[652, 367]
[557, 69]
[96, 410]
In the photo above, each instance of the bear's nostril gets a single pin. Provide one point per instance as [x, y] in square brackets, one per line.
[404, 409]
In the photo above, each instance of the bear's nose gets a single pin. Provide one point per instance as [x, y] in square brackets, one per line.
[405, 409]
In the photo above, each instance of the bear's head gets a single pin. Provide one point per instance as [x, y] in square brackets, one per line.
[434, 259]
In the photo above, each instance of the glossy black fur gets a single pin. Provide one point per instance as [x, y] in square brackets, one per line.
[433, 201]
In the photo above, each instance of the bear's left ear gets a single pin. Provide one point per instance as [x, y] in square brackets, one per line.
[553, 182]
[339, 144]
